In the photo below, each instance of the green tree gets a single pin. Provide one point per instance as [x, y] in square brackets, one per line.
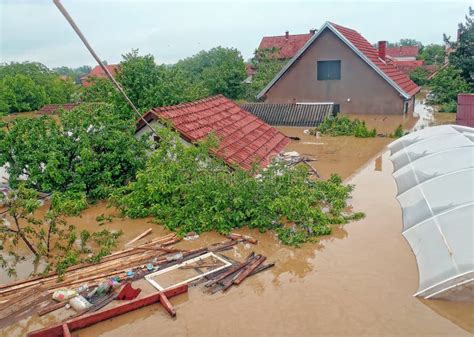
[419, 75]
[447, 84]
[406, 42]
[221, 69]
[48, 238]
[20, 93]
[90, 150]
[463, 55]
[266, 67]
[433, 54]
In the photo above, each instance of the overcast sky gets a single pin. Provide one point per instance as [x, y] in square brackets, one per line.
[34, 30]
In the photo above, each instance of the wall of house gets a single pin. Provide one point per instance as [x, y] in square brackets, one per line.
[360, 89]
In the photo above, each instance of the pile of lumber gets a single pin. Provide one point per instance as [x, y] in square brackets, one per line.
[19, 296]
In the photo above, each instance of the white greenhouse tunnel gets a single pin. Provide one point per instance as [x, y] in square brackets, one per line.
[434, 172]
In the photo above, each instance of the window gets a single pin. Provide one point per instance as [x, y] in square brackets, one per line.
[336, 109]
[405, 107]
[329, 70]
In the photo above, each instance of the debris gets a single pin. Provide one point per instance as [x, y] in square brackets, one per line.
[64, 294]
[93, 318]
[145, 233]
[79, 303]
[191, 236]
[128, 293]
[235, 236]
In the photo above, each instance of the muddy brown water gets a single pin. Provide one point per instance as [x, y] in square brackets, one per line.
[359, 281]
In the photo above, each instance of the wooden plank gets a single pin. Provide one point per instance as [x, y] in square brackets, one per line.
[229, 271]
[250, 268]
[145, 233]
[66, 332]
[235, 236]
[167, 305]
[52, 307]
[93, 318]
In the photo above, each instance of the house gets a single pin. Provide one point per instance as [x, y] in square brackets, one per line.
[98, 72]
[403, 53]
[339, 65]
[465, 110]
[407, 67]
[285, 46]
[245, 140]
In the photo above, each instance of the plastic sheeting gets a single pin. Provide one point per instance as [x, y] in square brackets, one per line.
[434, 172]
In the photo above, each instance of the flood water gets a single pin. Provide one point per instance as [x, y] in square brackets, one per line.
[358, 281]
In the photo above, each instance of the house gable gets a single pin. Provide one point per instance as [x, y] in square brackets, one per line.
[363, 49]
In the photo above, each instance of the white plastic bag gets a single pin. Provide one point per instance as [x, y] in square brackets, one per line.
[64, 294]
[79, 303]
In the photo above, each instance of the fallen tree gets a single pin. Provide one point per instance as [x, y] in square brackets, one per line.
[187, 190]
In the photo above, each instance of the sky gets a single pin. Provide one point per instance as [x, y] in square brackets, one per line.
[34, 30]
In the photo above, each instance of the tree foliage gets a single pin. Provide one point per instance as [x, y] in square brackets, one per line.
[419, 75]
[343, 126]
[186, 190]
[28, 86]
[74, 73]
[90, 150]
[49, 238]
[447, 84]
[463, 55]
[406, 42]
[433, 54]
[266, 66]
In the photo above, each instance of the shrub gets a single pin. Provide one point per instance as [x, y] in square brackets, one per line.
[343, 126]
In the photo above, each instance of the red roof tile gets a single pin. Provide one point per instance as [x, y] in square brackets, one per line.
[53, 108]
[402, 51]
[287, 45]
[98, 72]
[364, 46]
[406, 66]
[244, 139]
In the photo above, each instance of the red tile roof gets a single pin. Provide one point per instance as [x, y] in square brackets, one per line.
[287, 46]
[244, 139]
[53, 108]
[402, 51]
[364, 46]
[98, 72]
[406, 66]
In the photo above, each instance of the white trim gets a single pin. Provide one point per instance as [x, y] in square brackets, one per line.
[149, 277]
[314, 103]
[349, 44]
[448, 288]
[444, 281]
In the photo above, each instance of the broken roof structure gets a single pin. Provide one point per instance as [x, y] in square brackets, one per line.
[364, 49]
[244, 139]
[434, 172]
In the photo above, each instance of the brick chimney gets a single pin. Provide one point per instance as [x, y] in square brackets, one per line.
[382, 49]
[312, 31]
[287, 34]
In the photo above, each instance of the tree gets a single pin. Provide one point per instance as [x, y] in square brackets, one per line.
[433, 54]
[266, 67]
[28, 86]
[20, 93]
[49, 238]
[447, 84]
[75, 74]
[463, 55]
[419, 75]
[221, 69]
[406, 42]
[90, 150]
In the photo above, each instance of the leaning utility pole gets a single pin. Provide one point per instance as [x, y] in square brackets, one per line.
[101, 64]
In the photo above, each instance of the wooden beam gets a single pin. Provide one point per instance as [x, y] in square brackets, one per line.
[93, 318]
[66, 332]
[145, 233]
[167, 305]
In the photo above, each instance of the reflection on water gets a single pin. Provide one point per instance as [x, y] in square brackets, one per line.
[378, 163]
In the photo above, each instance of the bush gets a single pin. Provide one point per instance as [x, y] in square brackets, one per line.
[447, 84]
[186, 190]
[343, 126]
[448, 107]
[419, 75]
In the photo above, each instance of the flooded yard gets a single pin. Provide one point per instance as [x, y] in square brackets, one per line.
[357, 281]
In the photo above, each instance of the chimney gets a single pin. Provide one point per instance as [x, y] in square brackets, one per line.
[312, 31]
[382, 49]
[287, 34]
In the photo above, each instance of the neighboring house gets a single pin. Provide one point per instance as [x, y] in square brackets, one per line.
[465, 110]
[250, 71]
[407, 66]
[285, 46]
[403, 53]
[98, 72]
[339, 65]
[244, 139]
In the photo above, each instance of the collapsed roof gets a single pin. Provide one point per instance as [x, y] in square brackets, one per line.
[434, 172]
[244, 139]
